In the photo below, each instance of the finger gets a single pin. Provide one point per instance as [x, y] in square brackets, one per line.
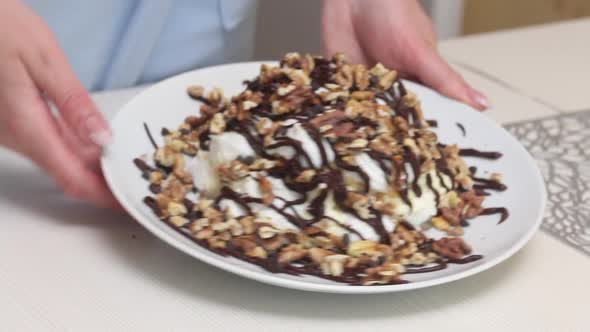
[52, 73]
[423, 23]
[66, 167]
[36, 135]
[90, 154]
[431, 69]
[338, 33]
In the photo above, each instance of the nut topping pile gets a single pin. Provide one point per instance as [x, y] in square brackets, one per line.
[319, 167]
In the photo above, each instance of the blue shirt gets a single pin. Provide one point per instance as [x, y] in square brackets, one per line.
[114, 44]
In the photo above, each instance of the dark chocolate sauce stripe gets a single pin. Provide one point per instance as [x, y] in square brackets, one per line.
[336, 183]
[348, 228]
[149, 134]
[504, 214]
[291, 203]
[244, 201]
[381, 159]
[315, 135]
[432, 123]
[245, 129]
[480, 154]
[483, 184]
[443, 167]
[355, 169]
[296, 145]
[415, 164]
[431, 187]
[443, 264]
[462, 128]
[204, 140]
[316, 207]
[142, 165]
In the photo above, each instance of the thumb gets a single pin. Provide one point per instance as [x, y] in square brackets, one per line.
[431, 69]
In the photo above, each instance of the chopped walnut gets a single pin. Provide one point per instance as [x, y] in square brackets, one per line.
[195, 91]
[379, 70]
[334, 265]
[361, 77]
[358, 143]
[198, 225]
[328, 118]
[205, 233]
[383, 274]
[496, 177]
[440, 223]
[386, 81]
[178, 221]
[307, 64]
[257, 252]
[166, 156]
[215, 96]
[299, 77]
[217, 124]
[266, 189]
[176, 209]
[267, 232]
[156, 177]
[291, 253]
[452, 215]
[453, 248]
[233, 171]
[263, 164]
[345, 77]
[473, 203]
[285, 90]
[360, 203]
[317, 255]
[363, 95]
[306, 176]
[244, 243]
[364, 247]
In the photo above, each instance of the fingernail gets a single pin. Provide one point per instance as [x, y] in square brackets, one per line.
[96, 128]
[479, 99]
[101, 138]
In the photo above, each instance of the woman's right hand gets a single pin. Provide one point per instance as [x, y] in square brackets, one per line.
[33, 72]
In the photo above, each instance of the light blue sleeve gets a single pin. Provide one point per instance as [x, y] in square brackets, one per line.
[120, 43]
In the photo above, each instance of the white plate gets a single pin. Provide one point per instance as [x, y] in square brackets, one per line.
[166, 105]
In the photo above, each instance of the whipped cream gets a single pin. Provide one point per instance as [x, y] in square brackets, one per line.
[223, 148]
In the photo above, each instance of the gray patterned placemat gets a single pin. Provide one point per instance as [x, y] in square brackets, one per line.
[561, 146]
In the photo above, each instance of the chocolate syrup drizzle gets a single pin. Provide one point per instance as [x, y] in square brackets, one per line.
[443, 264]
[480, 154]
[149, 134]
[328, 173]
[483, 184]
[504, 214]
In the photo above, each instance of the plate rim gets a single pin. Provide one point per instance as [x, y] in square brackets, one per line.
[275, 280]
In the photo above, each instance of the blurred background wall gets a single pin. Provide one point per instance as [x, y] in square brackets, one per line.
[484, 16]
[286, 25]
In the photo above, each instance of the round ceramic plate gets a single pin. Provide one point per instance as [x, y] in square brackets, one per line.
[166, 104]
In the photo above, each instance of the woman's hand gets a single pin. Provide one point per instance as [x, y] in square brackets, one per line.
[398, 34]
[33, 71]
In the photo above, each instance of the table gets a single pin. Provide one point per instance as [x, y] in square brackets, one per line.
[65, 266]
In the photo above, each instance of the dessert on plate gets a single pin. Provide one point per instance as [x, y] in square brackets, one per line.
[319, 167]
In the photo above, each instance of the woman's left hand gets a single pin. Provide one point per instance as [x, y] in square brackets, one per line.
[398, 34]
